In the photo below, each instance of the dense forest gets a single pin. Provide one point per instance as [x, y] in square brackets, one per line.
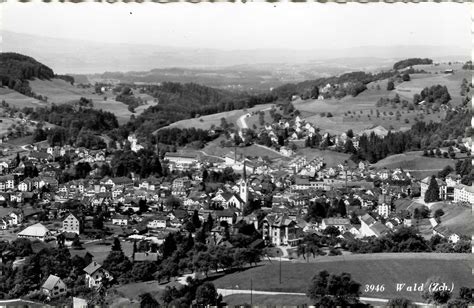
[410, 62]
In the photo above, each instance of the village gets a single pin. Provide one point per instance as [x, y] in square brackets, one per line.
[274, 196]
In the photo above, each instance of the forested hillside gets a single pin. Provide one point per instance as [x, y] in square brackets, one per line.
[410, 62]
[16, 69]
[182, 101]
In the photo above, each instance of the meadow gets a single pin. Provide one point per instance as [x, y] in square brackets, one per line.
[101, 249]
[59, 91]
[19, 100]
[457, 218]
[382, 269]
[415, 163]
[206, 121]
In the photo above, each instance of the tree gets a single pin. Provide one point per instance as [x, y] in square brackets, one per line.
[332, 231]
[438, 297]
[390, 86]
[169, 245]
[76, 243]
[437, 214]
[350, 133]
[148, 301]
[116, 246]
[315, 92]
[327, 290]
[432, 194]
[206, 295]
[406, 77]
[195, 219]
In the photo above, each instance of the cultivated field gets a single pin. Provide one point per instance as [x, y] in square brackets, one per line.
[386, 269]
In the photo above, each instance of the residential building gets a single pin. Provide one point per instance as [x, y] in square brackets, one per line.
[54, 287]
[279, 229]
[96, 275]
[72, 224]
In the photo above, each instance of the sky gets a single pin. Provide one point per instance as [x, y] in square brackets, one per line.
[246, 26]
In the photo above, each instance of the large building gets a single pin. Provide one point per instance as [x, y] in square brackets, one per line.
[72, 224]
[35, 232]
[181, 161]
[464, 193]
[279, 230]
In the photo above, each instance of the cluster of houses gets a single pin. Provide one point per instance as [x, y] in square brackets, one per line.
[294, 184]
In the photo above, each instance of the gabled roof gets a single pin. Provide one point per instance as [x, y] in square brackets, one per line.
[51, 282]
[92, 267]
[367, 219]
[34, 230]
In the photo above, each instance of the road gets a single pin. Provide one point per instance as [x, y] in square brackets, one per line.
[227, 292]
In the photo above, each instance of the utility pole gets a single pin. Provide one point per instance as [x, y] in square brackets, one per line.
[251, 304]
[280, 267]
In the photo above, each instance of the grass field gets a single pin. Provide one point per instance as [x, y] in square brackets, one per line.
[387, 269]
[263, 299]
[339, 123]
[19, 100]
[331, 158]
[214, 148]
[415, 163]
[206, 121]
[420, 81]
[61, 92]
[100, 251]
[457, 218]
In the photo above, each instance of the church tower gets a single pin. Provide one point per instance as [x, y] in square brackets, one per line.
[244, 193]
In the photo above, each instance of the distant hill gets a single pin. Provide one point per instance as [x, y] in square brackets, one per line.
[16, 69]
[410, 62]
[17, 66]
